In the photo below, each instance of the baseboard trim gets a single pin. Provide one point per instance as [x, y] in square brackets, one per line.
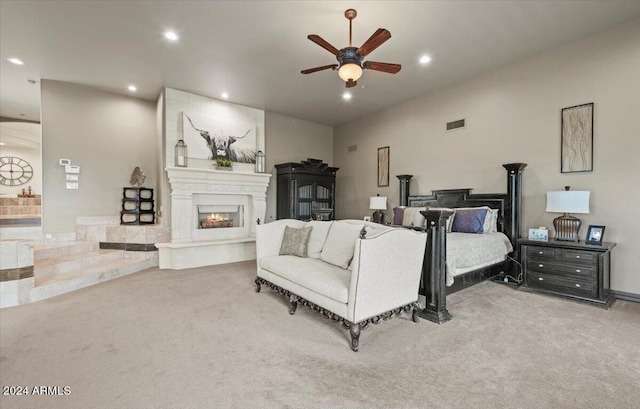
[128, 246]
[621, 295]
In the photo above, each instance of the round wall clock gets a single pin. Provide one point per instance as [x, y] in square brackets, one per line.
[14, 171]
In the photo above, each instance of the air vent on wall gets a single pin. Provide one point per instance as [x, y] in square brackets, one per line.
[353, 148]
[453, 125]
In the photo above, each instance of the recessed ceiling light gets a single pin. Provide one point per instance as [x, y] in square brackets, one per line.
[346, 96]
[425, 59]
[224, 95]
[132, 88]
[1, 143]
[171, 35]
[16, 61]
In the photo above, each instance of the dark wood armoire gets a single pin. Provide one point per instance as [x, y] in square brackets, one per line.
[306, 190]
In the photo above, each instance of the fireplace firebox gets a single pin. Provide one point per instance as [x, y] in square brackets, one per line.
[220, 217]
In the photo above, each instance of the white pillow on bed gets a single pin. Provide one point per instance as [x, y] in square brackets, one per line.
[450, 219]
[412, 217]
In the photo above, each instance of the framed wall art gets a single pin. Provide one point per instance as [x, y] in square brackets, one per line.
[383, 166]
[577, 139]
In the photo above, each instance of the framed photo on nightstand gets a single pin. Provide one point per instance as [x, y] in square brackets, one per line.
[595, 234]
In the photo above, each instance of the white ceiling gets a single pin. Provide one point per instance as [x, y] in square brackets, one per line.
[254, 50]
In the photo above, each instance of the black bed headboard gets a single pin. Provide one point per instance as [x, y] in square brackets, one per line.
[509, 204]
[455, 198]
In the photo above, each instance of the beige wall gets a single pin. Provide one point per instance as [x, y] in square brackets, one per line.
[107, 135]
[513, 115]
[293, 140]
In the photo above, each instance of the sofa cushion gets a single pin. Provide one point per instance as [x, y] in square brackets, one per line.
[340, 244]
[313, 274]
[295, 241]
[318, 237]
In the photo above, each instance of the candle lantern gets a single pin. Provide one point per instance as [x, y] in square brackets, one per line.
[182, 157]
[260, 162]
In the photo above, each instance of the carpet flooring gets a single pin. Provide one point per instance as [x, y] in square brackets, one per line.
[202, 338]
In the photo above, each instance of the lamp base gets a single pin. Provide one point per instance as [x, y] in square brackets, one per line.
[567, 227]
[378, 217]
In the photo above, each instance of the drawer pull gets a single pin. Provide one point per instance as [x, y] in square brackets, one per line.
[578, 285]
[540, 265]
[578, 271]
[540, 279]
[577, 256]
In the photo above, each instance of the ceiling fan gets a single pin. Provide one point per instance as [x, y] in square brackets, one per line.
[350, 58]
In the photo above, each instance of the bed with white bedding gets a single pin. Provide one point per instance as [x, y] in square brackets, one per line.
[468, 252]
[458, 256]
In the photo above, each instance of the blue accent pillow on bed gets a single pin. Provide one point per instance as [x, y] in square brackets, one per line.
[469, 221]
[398, 215]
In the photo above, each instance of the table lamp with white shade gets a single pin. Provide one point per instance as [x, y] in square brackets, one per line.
[567, 201]
[379, 204]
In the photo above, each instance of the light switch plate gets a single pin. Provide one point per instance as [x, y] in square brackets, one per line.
[72, 185]
[72, 169]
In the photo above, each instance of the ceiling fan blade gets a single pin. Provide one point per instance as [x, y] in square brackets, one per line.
[324, 67]
[322, 43]
[380, 36]
[382, 66]
[351, 84]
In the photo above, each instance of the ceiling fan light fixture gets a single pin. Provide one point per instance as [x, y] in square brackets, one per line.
[350, 71]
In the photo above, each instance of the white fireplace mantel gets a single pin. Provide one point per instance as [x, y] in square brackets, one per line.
[188, 248]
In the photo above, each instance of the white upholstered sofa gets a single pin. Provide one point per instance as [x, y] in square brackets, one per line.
[354, 272]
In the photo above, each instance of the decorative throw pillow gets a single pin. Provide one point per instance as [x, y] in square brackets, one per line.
[398, 214]
[490, 224]
[341, 242]
[295, 241]
[469, 220]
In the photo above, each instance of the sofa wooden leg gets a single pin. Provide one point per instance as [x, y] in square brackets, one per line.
[294, 304]
[415, 307]
[257, 285]
[355, 336]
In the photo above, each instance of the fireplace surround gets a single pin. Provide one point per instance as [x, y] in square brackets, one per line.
[213, 217]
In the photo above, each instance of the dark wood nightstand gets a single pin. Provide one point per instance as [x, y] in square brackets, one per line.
[569, 269]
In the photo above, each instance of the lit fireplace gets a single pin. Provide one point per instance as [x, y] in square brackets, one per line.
[215, 221]
[220, 216]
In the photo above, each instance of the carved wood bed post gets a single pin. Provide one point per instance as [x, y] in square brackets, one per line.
[513, 215]
[404, 189]
[434, 269]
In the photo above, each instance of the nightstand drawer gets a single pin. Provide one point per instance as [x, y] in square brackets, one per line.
[541, 253]
[564, 285]
[576, 256]
[560, 269]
